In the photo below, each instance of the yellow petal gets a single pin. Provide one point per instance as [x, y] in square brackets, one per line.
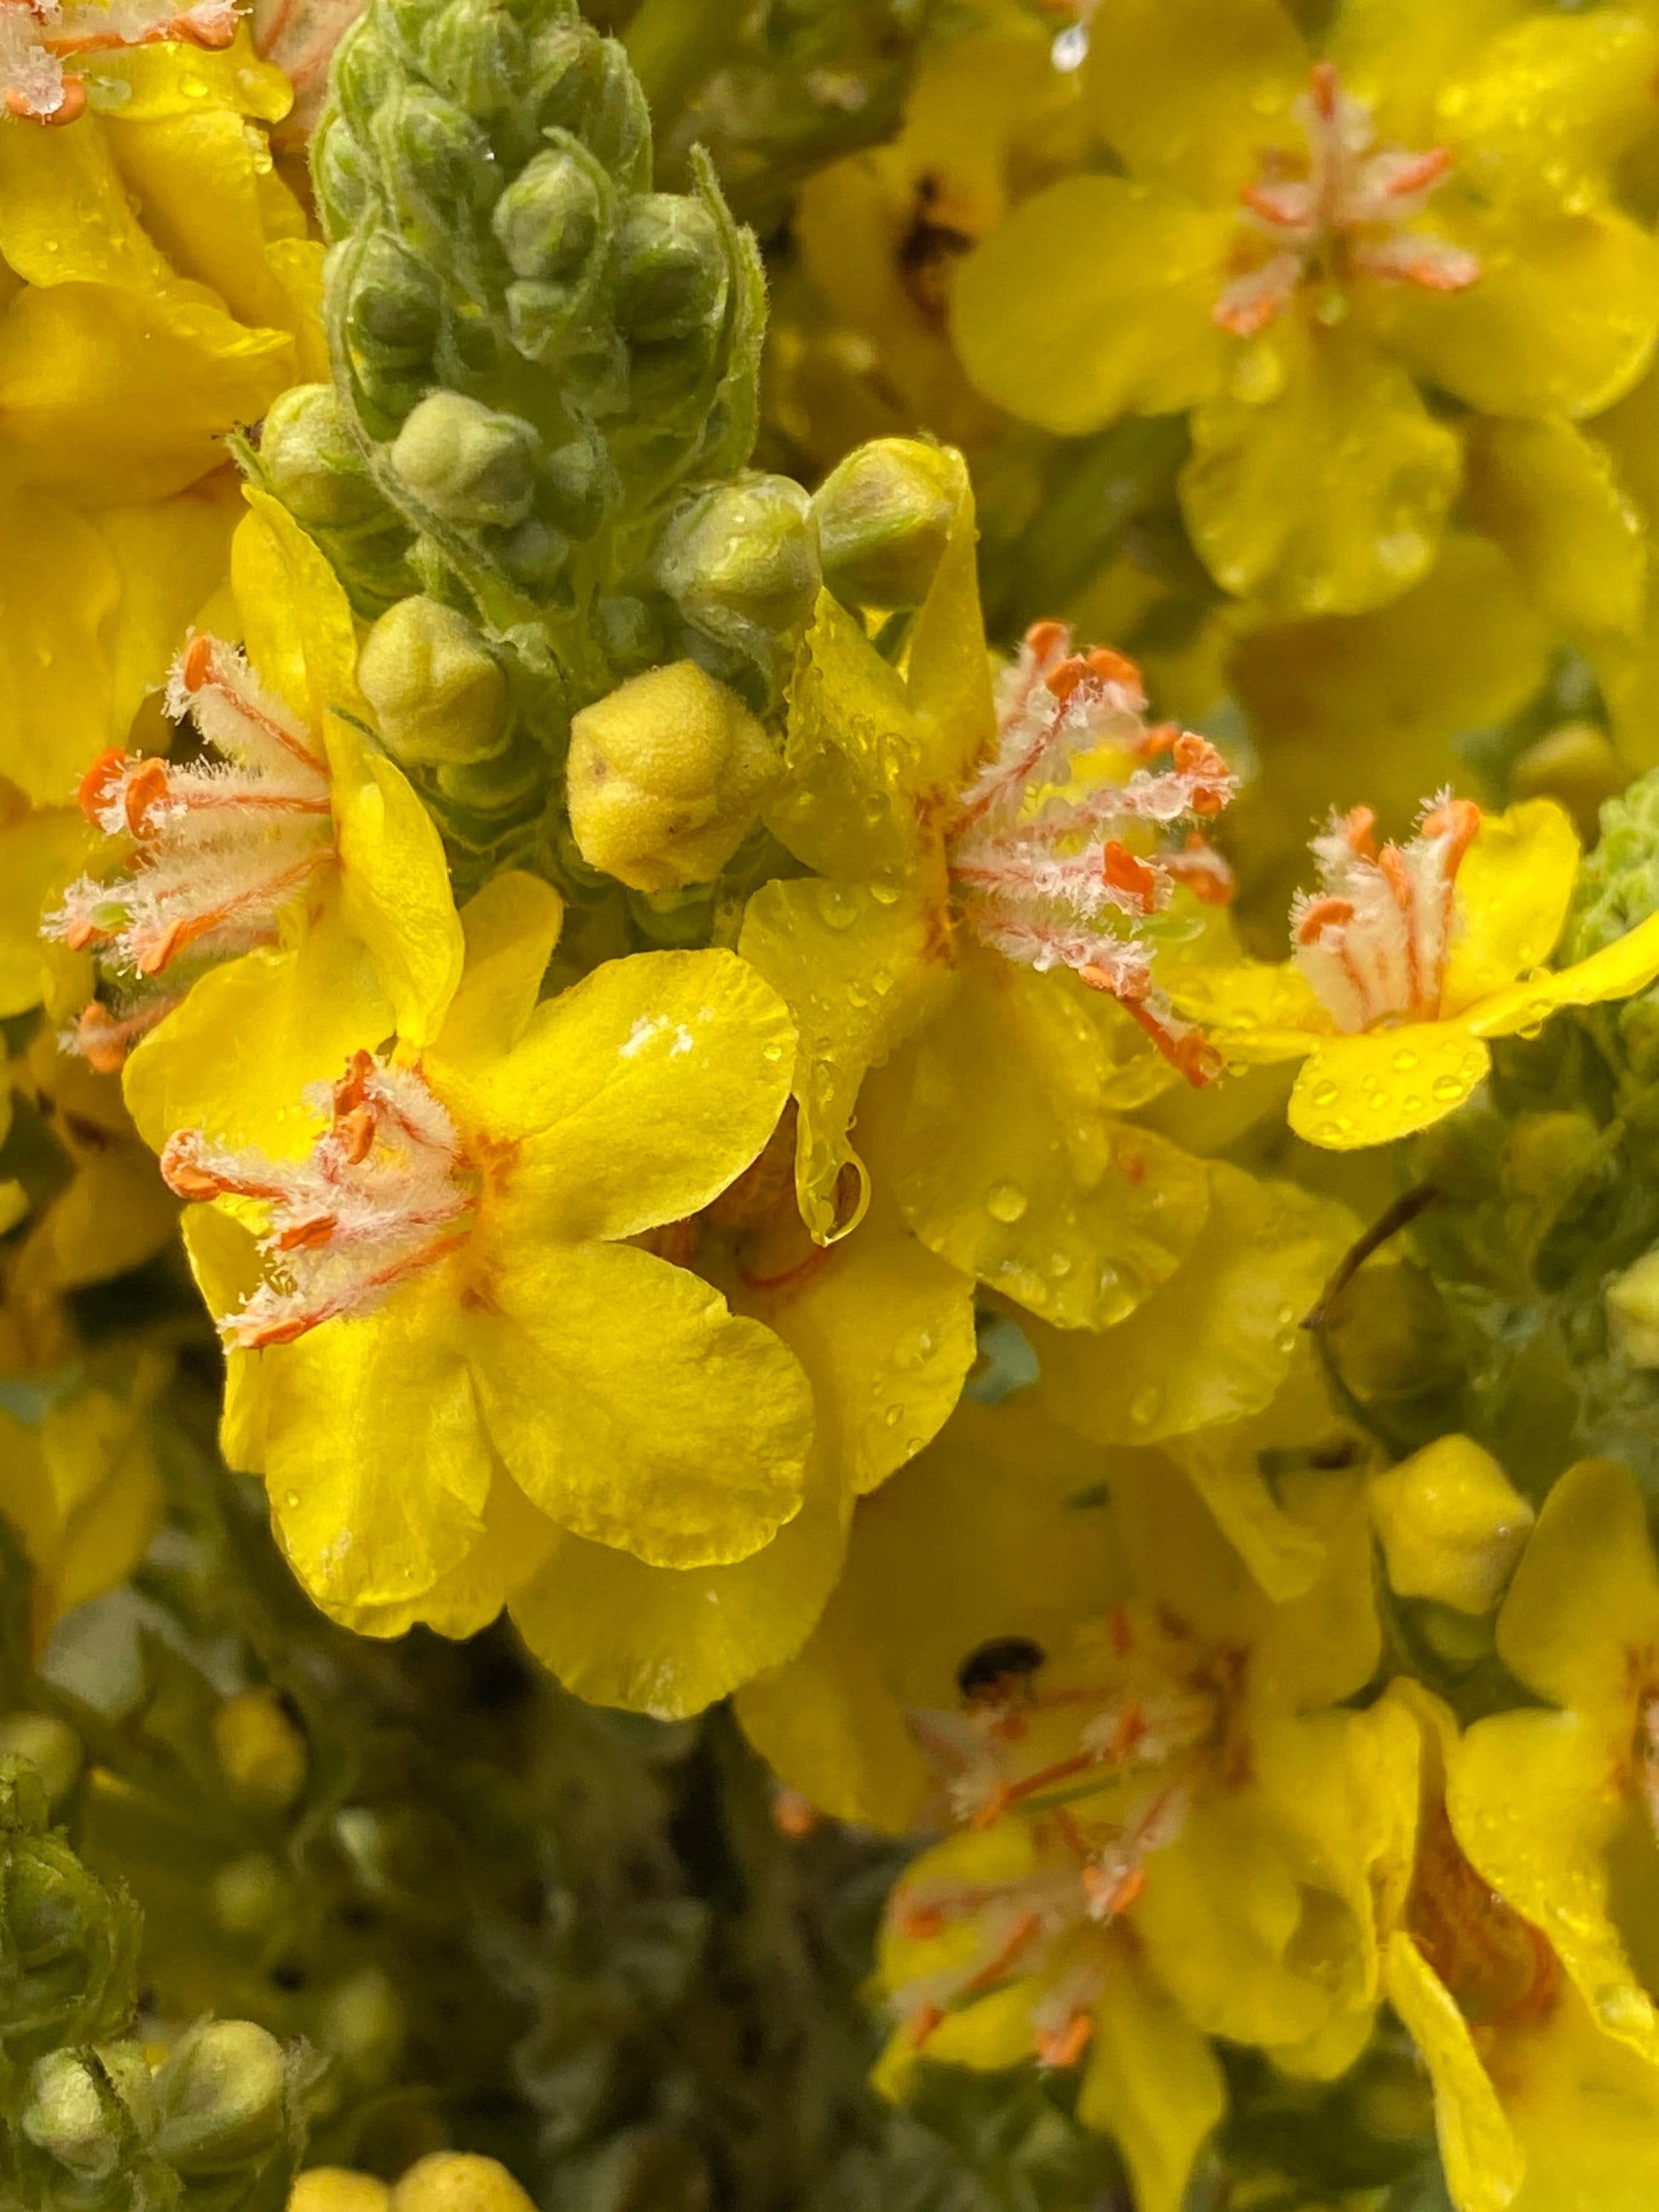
[41, 852]
[671, 1640]
[947, 677]
[1398, 55]
[115, 1214]
[60, 588]
[973, 1541]
[857, 973]
[1368, 1089]
[234, 1058]
[1215, 1341]
[1585, 1593]
[636, 1096]
[1075, 1215]
[515, 1540]
[1190, 91]
[171, 556]
[173, 78]
[510, 928]
[633, 1407]
[1093, 299]
[1483, 2162]
[225, 1261]
[1548, 495]
[65, 217]
[1534, 1798]
[1152, 2082]
[296, 618]
[375, 1459]
[1585, 2111]
[1259, 1012]
[1619, 970]
[1545, 109]
[1329, 494]
[1513, 891]
[394, 882]
[1561, 320]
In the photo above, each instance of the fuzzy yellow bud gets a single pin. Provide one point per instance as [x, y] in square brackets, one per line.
[1450, 1523]
[221, 2092]
[458, 2181]
[261, 1751]
[336, 2188]
[50, 1746]
[665, 776]
[437, 694]
[883, 516]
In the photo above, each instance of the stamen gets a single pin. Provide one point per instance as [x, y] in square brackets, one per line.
[1337, 211]
[384, 1192]
[213, 849]
[1374, 940]
[1046, 872]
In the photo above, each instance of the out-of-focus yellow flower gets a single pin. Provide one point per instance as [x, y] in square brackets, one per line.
[1558, 1807]
[302, 858]
[1296, 243]
[80, 1485]
[157, 289]
[1536, 2106]
[990, 899]
[1407, 961]
[435, 1293]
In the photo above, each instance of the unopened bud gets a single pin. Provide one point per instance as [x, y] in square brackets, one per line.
[547, 219]
[437, 695]
[884, 517]
[363, 2025]
[467, 463]
[474, 50]
[1450, 1523]
[80, 2105]
[1548, 1153]
[665, 776]
[458, 2181]
[671, 267]
[260, 1749]
[311, 464]
[50, 1746]
[393, 307]
[221, 2095]
[249, 1895]
[336, 2188]
[739, 558]
[1632, 1304]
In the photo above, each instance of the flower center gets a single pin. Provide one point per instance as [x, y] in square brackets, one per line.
[1373, 940]
[214, 849]
[37, 37]
[1342, 210]
[384, 1192]
[1062, 859]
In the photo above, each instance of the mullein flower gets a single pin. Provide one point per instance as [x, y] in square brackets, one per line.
[1298, 242]
[285, 884]
[1407, 961]
[993, 882]
[159, 289]
[443, 1267]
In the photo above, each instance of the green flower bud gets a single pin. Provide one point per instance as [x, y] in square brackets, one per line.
[437, 695]
[671, 271]
[883, 516]
[68, 1945]
[343, 171]
[221, 2096]
[311, 464]
[50, 1746]
[364, 2025]
[739, 557]
[261, 1751]
[251, 1895]
[580, 486]
[85, 2107]
[474, 50]
[363, 71]
[1619, 883]
[467, 463]
[441, 153]
[665, 778]
[394, 309]
[547, 221]
[458, 2181]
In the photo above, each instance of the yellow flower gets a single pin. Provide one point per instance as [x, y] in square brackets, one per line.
[1535, 2105]
[990, 894]
[1296, 244]
[157, 289]
[1406, 962]
[301, 860]
[80, 1485]
[437, 1322]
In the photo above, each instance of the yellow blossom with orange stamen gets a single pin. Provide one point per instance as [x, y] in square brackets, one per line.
[1406, 962]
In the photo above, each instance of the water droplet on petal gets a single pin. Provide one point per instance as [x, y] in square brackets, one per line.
[1006, 1202]
[1325, 1094]
[1447, 1088]
[1405, 1060]
[838, 905]
[1147, 1405]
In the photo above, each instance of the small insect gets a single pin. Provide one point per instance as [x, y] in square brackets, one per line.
[1004, 1661]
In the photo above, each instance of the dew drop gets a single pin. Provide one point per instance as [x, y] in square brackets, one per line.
[291, 1499]
[893, 1416]
[193, 87]
[1061, 1266]
[1006, 1202]
[771, 1053]
[1147, 1405]
[884, 890]
[838, 906]
[1446, 1088]
[1404, 1061]
[1325, 1094]
[1071, 47]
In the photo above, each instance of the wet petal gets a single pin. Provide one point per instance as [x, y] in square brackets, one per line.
[1483, 2162]
[636, 1096]
[510, 928]
[1152, 2082]
[1551, 103]
[61, 587]
[41, 852]
[1327, 496]
[1399, 54]
[632, 1406]
[1619, 970]
[1368, 1089]
[1093, 299]
[1514, 887]
[296, 619]
[1548, 495]
[1584, 1595]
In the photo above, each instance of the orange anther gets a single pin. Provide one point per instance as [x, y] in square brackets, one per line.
[280, 1332]
[1130, 1732]
[1197, 757]
[923, 2022]
[1065, 2046]
[1125, 873]
[101, 1042]
[1114, 668]
[355, 1132]
[147, 786]
[97, 783]
[172, 941]
[1325, 91]
[919, 1922]
[214, 36]
[1124, 1895]
[1356, 828]
[1064, 680]
[309, 1234]
[1044, 637]
[1458, 820]
[197, 666]
[1158, 740]
[1320, 914]
[185, 1180]
[71, 103]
